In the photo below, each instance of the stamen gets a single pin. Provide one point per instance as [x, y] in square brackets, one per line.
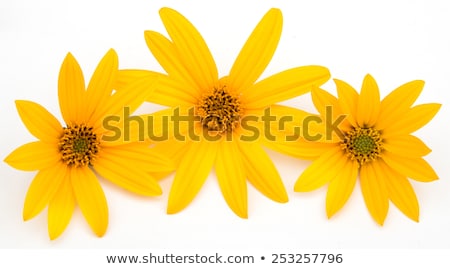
[220, 110]
[78, 145]
[362, 144]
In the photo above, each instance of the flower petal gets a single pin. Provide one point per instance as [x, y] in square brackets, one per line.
[197, 163]
[368, 107]
[301, 148]
[397, 103]
[173, 94]
[412, 120]
[71, 91]
[128, 76]
[261, 172]
[34, 156]
[412, 167]
[60, 209]
[284, 85]
[192, 49]
[130, 98]
[341, 187]
[257, 51]
[39, 121]
[374, 191]
[101, 84]
[167, 55]
[348, 100]
[406, 145]
[42, 189]
[90, 198]
[400, 191]
[231, 177]
[322, 170]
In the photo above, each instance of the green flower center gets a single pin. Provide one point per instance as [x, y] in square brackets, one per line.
[78, 145]
[219, 111]
[362, 144]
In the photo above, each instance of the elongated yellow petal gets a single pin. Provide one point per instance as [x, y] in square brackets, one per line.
[231, 177]
[348, 100]
[39, 121]
[173, 94]
[131, 98]
[90, 198]
[321, 171]
[101, 84]
[301, 148]
[192, 49]
[284, 85]
[368, 108]
[60, 209]
[412, 167]
[197, 163]
[42, 189]
[397, 103]
[172, 149]
[258, 50]
[341, 187]
[261, 172]
[374, 191]
[71, 91]
[130, 177]
[400, 191]
[414, 119]
[34, 156]
[406, 145]
[167, 56]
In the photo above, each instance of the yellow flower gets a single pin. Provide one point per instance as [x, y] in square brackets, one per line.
[373, 140]
[68, 157]
[220, 105]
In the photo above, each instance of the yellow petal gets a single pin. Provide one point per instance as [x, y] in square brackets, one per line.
[39, 121]
[257, 51]
[90, 198]
[129, 177]
[301, 148]
[398, 102]
[34, 156]
[374, 191]
[231, 177]
[167, 56]
[341, 187]
[42, 189]
[322, 170]
[130, 98]
[173, 94]
[125, 77]
[348, 100]
[412, 167]
[284, 85]
[173, 149]
[412, 120]
[60, 209]
[71, 91]
[368, 107]
[261, 172]
[192, 49]
[406, 145]
[400, 191]
[197, 163]
[101, 84]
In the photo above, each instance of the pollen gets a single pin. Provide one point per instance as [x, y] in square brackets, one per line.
[362, 144]
[220, 110]
[78, 145]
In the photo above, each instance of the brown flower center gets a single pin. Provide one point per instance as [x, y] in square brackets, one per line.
[78, 145]
[220, 110]
[362, 144]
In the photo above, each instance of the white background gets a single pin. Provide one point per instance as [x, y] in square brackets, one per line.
[395, 41]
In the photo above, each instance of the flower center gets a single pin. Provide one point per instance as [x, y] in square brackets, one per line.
[220, 110]
[78, 145]
[362, 144]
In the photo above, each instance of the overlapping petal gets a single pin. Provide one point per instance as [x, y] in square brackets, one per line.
[60, 209]
[368, 108]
